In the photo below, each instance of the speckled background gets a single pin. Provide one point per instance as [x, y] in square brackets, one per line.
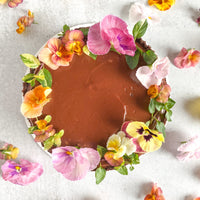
[179, 181]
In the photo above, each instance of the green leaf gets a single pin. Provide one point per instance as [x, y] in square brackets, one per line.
[87, 52]
[131, 168]
[48, 118]
[57, 141]
[151, 107]
[148, 123]
[139, 29]
[100, 174]
[159, 106]
[48, 143]
[168, 115]
[31, 129]
[134, 157]
[47, 81]
[28, 78]
[101, 150]
[60, 133]
[66, 28]
[170, 103]
[85, 31]
[132, 61]
[160, 126]
[149, 57]
[122, 170]
[32, 83]
[30, 60]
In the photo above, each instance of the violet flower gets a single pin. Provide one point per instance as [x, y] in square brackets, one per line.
[74, 163]
[21, 173]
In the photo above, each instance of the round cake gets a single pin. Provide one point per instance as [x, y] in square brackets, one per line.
[88, 93]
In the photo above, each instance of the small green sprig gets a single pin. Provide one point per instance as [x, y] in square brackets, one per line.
[65, 28]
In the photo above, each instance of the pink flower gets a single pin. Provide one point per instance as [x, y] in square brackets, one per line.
[187, 58]
[110, 31]
[198, 21]
[74, 163]
[54, 54]
[156, 193]
[153, 75]
[190, 149]
[14, 3]
[139, 12]
[21, 173]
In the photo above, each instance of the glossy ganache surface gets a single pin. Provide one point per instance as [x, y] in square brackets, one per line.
[91, 99]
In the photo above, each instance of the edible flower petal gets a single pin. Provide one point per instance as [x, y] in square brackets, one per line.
[156, 193]
[115, 162]
[187, 58]
[8, 151]
[162, 5]
[120, 144]
[111, 31]
[190, 149]
[54, 54]
[74, 163]
[34, 101]
[139, 11]
[149, 140]
[153, 75]
[21, 173]
[3, 1]
[14, 3]
[198, 21]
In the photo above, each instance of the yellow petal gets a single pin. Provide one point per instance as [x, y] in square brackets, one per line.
[121, 151]
[114, 142]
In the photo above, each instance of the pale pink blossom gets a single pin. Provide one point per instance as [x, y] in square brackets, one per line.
[110, 31]
[153, 75]
[187, 58]
[14, 3]
[190, 149]
[139, 11]
[21, 173]
[74, 163]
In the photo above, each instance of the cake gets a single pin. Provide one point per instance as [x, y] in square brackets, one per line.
[85, 86]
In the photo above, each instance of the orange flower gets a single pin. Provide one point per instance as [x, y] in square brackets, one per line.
[73, 41]
[34, 101]
[156, 194]
[162, 4]
[153, 91]
[24, 21]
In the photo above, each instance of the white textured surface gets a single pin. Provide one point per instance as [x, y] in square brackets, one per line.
[179, 181]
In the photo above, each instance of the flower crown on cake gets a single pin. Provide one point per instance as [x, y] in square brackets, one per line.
[134, 138]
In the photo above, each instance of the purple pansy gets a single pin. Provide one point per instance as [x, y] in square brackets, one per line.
[21, 173]
[74, 163]
[110, 31]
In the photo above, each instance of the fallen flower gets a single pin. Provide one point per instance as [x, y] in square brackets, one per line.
[74, 163]
[187, 58]
[190, 149]
[24, 22]
[14, 3]
[111, 31]
[8, 151]
[139, 11]
[21, 173]
[153, 75]
[162, 5]
[34, 101]
[156, 193]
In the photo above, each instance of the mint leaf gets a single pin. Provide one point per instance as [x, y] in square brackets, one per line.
[47, 81]
[48, 143]
[101, 150]
[168, 115]
[159, 106]
[160, 126]
[28, 78]
[48, 118]
[31, 129]
[30, 60]
[84, 31]
[60, 133]
[122, 170]
[87, 52]
[131, 168]
[139, 29]
[170, 103]
[100, 174]
[66, 28]
[57, 141]
[32, 83]
[149, 57]
[134, 157]
[132, 61]
[151, 107]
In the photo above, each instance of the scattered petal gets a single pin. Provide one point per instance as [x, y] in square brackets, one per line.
[162, 5]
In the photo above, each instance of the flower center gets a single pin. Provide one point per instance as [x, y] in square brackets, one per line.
[18, 169]
[59, 54]
[69, 153]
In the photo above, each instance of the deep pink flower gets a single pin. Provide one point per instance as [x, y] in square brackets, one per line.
[198, 21]
[110, 31]
[190, 149]
[187, 58]
[74, 163]
[21, 173]
[14, 3]
[153, 75]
